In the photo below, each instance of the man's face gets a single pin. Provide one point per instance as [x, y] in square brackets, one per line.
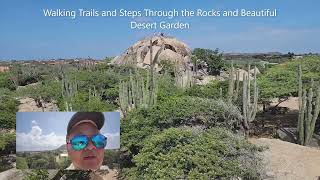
[90, 157]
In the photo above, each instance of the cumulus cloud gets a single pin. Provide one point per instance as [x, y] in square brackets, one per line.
[36, 141]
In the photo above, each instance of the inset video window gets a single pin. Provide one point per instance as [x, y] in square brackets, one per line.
[68, 140]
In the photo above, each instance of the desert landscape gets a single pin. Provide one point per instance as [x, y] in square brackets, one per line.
[187, 113]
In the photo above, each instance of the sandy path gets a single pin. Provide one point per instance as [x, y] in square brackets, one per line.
[287, 161]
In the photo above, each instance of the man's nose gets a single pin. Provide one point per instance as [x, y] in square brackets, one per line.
[90, 146]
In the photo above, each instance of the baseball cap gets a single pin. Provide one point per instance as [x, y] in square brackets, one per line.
[96, 118]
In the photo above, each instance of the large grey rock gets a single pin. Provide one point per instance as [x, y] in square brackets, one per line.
[288, 134]
[291, 135]
[139, 53]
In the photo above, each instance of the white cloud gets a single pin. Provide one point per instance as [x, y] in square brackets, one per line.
[34, 122]
[113, 140]
[36, 141]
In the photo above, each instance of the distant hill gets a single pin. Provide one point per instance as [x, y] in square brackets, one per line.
[61, 148]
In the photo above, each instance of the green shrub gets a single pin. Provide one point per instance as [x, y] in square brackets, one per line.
[5, 81]
[45, 90]
[6, 140]
[23, 75]
[174, 112]
[111, 158]
[281, 80]
[21, 163]
[167, 88]
[37, 174]
[8, 109]
[213, 59]
[211, 90]
[184, 154]
[81, 102]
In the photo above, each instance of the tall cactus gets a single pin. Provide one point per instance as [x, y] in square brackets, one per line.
[309, 108]
[68, 91]
[249, 109]
[153, 62]
[135, 92]
[183, 77]
[234, 85]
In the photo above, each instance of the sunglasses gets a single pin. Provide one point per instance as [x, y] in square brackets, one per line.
[79, 142]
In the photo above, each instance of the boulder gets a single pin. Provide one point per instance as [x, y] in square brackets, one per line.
[288, 134]
[139, 53]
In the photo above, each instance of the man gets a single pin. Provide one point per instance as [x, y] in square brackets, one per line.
[85, 144]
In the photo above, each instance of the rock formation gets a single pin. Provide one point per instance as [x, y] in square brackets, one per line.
[138, 54]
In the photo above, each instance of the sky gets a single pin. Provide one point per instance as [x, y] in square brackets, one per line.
[25, 33]
[39, 131]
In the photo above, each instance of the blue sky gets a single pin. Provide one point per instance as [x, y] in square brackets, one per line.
[26, 34]
[38, 131]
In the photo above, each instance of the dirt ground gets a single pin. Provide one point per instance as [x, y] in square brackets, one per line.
[288, 161]
[267, 123]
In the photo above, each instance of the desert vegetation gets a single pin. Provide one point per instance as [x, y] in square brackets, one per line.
[172, 126]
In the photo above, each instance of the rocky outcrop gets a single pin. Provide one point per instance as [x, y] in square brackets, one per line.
[138, 54]
[28, 104]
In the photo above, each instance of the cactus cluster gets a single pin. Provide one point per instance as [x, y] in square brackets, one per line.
[309, 107]
[69, 90]
[249, 109]
[183, 77]
[135, 93]
[249, 103]
[234, 85]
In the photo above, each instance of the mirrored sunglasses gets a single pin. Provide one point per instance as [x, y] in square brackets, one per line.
[79, 142]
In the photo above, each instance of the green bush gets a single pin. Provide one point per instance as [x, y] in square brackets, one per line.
[8, 109]
[111, 158]
[22, 163]
[37, 174]
[45, 90]
[186, 154]
[5, 81]
[23, 75]
[167, 88]
[174, 112]
[211, 90]
[82, 102]
[213, 59]
[6, 140]
[101, 80]
[281, 80]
